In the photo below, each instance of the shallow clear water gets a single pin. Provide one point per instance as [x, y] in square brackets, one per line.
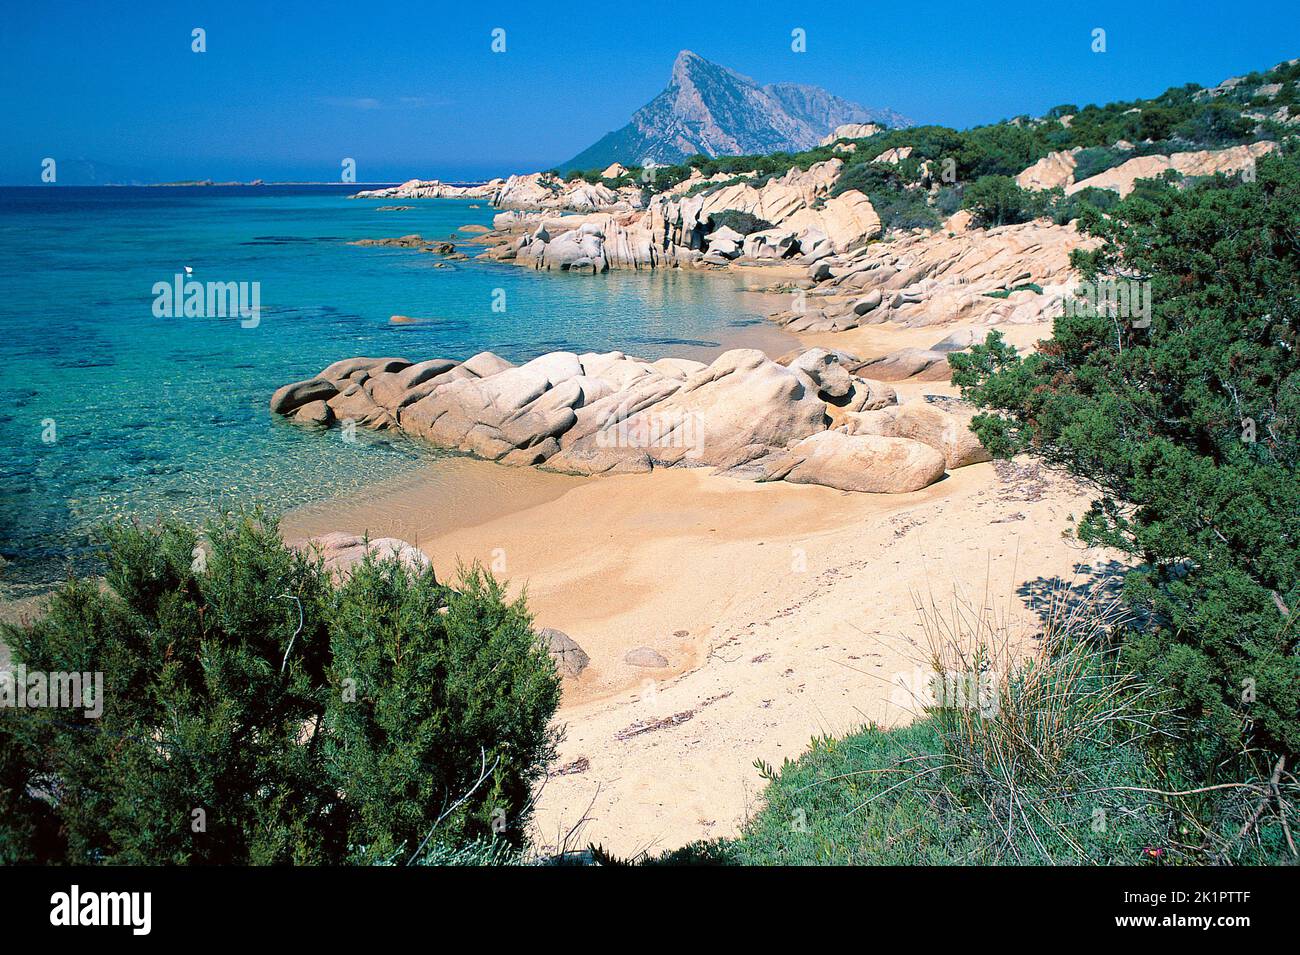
[153, 416]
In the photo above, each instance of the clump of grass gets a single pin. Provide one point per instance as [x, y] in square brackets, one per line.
[1033, 744]
[1055, 715]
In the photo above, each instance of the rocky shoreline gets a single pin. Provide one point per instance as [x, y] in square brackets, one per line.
[814, 416]
[581, 227]
[806, 418]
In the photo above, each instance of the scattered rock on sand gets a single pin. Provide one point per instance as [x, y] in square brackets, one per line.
[962, 339]
[859, 462]
[342, 551]
[947, 431]
[645, 657]
[570, 659]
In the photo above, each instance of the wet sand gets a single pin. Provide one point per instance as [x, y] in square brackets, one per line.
[451, 493]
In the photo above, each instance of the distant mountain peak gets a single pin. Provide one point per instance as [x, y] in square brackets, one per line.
[711, 109]
[683, 62]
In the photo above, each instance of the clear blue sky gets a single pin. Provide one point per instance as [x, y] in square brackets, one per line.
[413, 88]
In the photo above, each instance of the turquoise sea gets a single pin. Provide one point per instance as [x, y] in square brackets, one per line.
[107, 410]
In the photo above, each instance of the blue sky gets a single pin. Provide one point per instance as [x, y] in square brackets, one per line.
[414, 89]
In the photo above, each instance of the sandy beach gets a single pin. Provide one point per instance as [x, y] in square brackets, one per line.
[780, 611]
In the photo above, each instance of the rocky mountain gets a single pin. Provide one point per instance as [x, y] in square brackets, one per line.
[710, 109]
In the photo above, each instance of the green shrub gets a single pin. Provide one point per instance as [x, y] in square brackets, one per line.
[256, 714]
[947, 201]
[1095, 160]
[742, 222]
[997, 200]
[1217, 124]
[1068, 208]
[886, 186]
[1006, 292]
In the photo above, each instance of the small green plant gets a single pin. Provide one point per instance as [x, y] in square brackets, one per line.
[1006, 292]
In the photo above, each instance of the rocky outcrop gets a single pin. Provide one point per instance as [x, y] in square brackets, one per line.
[1018, 274]
[431, 189]
[675, 231]
[852, 131]
[341, 552]
[685, 222]
[697, 178]
[608, 413]
[537, 190]
[593, 243]
[955, 274]
[541, 190]
[1055, 170]
[1122, 178]
[895, 155]
[1286, 115]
